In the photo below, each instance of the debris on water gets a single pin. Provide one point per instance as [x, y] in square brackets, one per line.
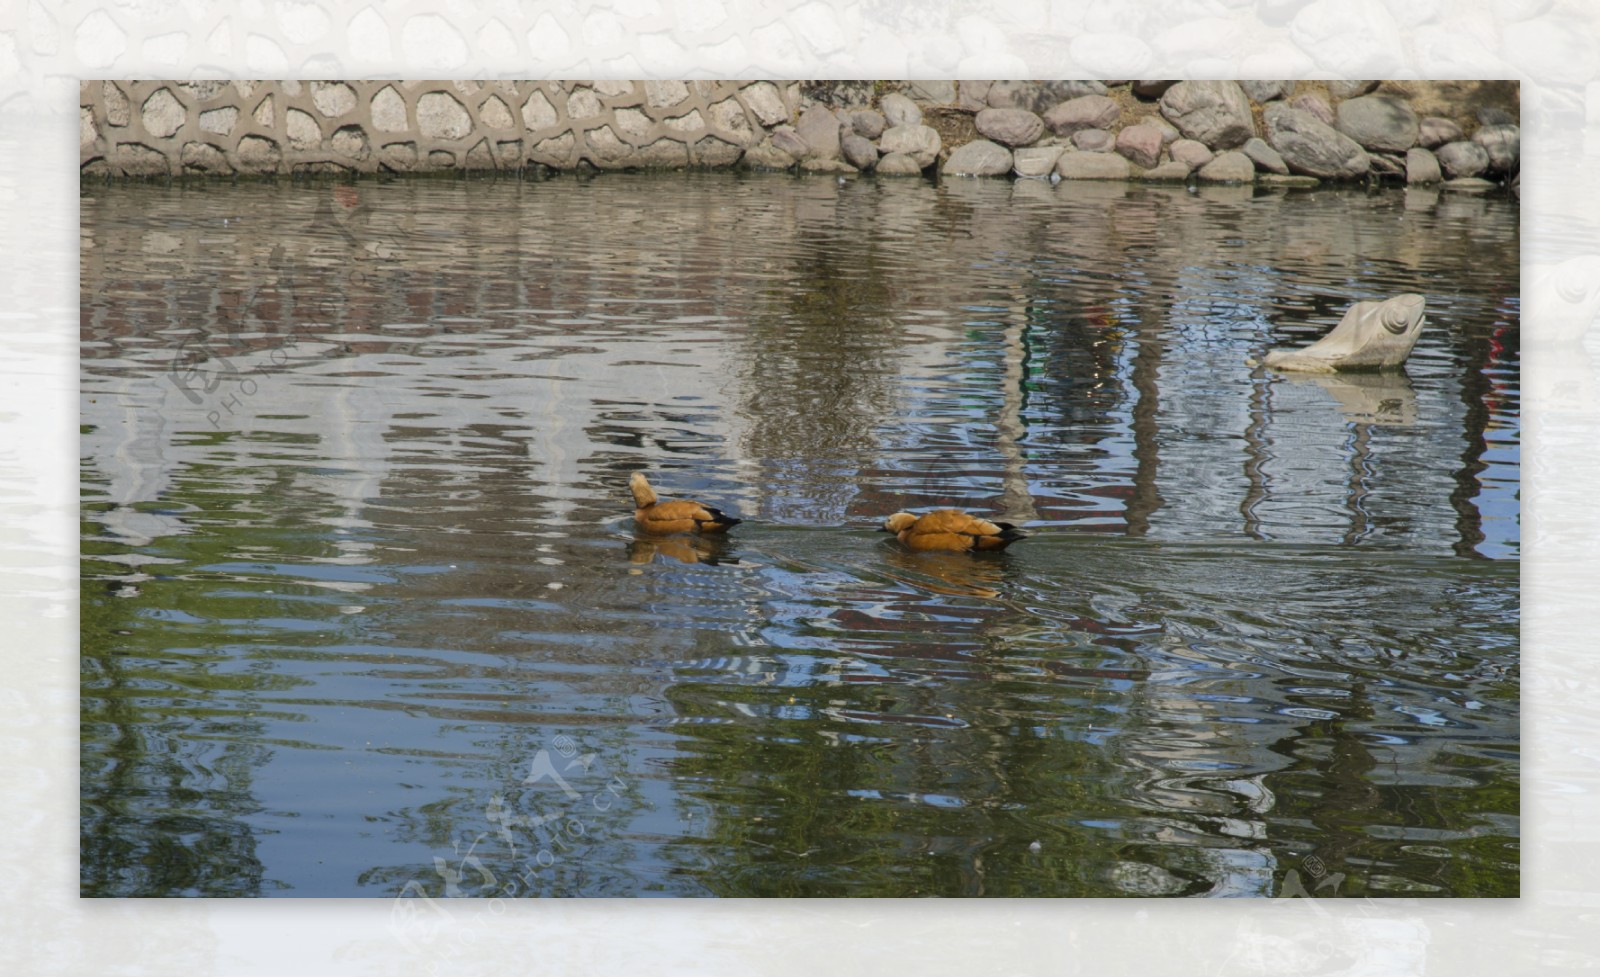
[1034, 846]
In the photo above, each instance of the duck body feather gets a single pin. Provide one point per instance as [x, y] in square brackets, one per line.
[951, 530]
[659, 516]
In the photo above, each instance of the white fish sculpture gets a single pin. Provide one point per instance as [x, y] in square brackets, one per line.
[1371, 336]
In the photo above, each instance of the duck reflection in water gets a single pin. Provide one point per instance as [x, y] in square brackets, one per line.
[945, 572]
[687, 549]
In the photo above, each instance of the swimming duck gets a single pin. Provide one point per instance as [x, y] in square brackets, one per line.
[950, 529]
[676, 515]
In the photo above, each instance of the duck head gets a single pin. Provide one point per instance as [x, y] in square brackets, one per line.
[898, 522]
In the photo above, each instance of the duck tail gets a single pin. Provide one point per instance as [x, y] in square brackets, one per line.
[643, 495]
[720, 522]
[1009, 532]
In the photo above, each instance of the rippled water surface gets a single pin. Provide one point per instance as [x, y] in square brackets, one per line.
[364, 613]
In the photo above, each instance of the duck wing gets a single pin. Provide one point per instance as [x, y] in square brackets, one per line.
[684, 516]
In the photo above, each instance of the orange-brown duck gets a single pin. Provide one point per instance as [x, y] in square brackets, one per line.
[951, 530]
[674, 515]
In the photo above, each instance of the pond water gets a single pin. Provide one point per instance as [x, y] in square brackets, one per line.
[364, 614]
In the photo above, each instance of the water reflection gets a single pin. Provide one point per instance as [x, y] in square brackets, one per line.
[363, 609]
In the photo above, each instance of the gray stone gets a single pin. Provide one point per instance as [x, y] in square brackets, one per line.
[1264, 157]
[263, 113]
[443, 159]
[1011, 127]
[1076, 165]
[1141, 144]
[1462, 159]
[1312, 147]
[786, 139]
[729, 118]
[303, 131]
[495, 114]
[162, 113]
[974, 95]
[389, 111]
[1037, 96]
[898, 165]
[1386, 165]
[1490, 115]
[350, 141]
[858, 151]
[333, 99]
[766, 102]
[671, 154]
[1436, 131]
[440, 116]
[509, 152]
[1378, 122]
[1503, 144]
[400, 156]
[1191, 153]
[1316, 105]
[919, 142]
[868, 123]
[608, 152]
[204, 158]
[1083, 112]
[664, 94]
[116, 104]
[220, 121]
[1350, 89]
[582, 103]
[1094, 140]
[88, 132]
[820, 129]
[259, 154]
[938, 92]
[557, 151]
[1370, 336]
[1171, 170]
[1152, 89]
[979, 158]
[691, 124]
[139, 160]
[537, 112]
[1216, 113]
[1169, 132]
[765, 156]
[1035, 161]
[711, 151]
[685, 127]
[635, 125]
[899, 111]
[1230, 167]
[1266, 91]
[1422, 166]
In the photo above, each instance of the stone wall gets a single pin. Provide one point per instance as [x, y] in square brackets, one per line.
[1462, 133]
